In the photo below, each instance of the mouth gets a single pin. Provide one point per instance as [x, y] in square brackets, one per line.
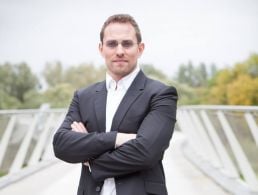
[120, 60]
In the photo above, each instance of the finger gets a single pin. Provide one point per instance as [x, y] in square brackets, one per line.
[76, 127]
[73, 126]
[83, 127]
[79, 127]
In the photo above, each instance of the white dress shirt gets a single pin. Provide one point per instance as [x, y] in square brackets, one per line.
[115, 94]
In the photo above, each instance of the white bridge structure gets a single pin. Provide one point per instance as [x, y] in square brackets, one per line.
[220, 141]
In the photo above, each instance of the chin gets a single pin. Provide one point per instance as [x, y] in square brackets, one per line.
[121, 73]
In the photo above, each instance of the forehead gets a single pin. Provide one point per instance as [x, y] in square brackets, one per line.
[120, 31]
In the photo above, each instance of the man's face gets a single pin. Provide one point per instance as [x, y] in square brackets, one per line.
[120, 49]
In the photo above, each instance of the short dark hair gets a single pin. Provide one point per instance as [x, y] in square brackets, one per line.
[121, 18]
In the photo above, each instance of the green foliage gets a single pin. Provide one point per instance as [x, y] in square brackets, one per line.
[53, 73]
[59, 96]
[195, 76]
[33, 99]
[63, 82]
[19, 86]
[192, 81]
[77, 76]
[237, 85]
[186, 94]
[154, 73]
[15, 81]
[243, 90]
[83, 75]
[8, 102]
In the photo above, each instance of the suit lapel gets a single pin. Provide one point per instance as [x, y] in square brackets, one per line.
[100, 105]
[131, 95]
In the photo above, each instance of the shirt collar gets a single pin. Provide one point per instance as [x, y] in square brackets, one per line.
[123, 83]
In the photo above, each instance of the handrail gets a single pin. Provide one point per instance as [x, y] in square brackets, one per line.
[213, 139]
[222, 108]
[26, 141]
[31, 111]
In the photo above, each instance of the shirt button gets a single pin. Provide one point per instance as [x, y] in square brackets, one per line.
[97, 189]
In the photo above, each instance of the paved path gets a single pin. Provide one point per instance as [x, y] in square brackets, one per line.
[183, 178]
[62, 178]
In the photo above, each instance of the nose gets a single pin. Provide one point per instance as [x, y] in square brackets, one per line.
[119, 50]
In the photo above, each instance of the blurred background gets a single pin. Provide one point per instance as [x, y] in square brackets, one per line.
[207, 49]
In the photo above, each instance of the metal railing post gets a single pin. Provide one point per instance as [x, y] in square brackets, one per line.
[210, 152]
[239, 154]
[48, 152]
[253, 126]
[41, 144]
[186, 125]
[228, 166]
[6, 138]
[22, 151]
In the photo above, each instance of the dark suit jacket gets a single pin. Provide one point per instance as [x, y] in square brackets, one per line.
[147, 109]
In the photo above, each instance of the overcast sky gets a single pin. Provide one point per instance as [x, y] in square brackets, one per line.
[175, 31]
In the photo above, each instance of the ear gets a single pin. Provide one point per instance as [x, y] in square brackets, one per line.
[140, 49]
[101, 48]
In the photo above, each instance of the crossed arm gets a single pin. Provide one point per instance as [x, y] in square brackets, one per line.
[132, 152]
[121, 138]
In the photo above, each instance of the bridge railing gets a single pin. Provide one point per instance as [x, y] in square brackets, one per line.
[26, 141]
[223, 142]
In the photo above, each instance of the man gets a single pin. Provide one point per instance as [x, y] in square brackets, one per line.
[119, 128]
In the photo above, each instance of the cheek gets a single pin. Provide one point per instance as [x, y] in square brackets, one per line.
[130, 53]
[133, 56]
[106, 54]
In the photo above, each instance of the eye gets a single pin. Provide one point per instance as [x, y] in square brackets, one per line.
[112, 44]
[127, 43]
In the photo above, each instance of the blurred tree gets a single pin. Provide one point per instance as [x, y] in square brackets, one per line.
[24, 81]
[59, 96]
[185, 74]
[188, 95]
[83, 75]
[201, 75]
[63, 82]
[195, 76]
[252, 64]
[15, 82]
[236, 85]
[243, 90]
[53, 73]
[77, 76]
[8, 102]
[154, 73]
[33, 99]
[213, 70]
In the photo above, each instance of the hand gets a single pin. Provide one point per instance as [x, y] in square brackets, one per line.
[78, 127]
[86, 164]
[122, 138]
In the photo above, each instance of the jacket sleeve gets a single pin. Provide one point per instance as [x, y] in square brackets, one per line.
[77, 147]
[147, 149]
